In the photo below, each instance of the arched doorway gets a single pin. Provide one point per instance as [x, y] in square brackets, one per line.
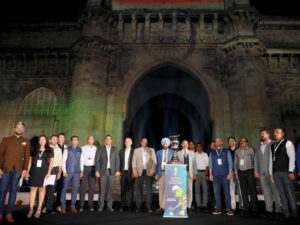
[168, 100]
[38, 110]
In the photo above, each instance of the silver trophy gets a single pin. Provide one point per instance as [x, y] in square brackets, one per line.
[175, 147]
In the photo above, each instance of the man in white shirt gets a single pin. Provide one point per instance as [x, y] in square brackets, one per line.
[56, 170]
[202, 177]
[72, 168]
[107, 166]
[60, 181]
[281, 168]
[127, 179]
[88, 155]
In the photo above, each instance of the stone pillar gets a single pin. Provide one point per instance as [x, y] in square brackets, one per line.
[248, 100]
[89, 90]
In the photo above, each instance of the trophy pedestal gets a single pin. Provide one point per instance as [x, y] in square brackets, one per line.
[174, 158]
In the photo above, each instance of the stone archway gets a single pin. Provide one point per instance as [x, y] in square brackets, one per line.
[168, 100]
[38, 110]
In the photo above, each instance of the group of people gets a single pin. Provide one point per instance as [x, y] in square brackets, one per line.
[233, 170]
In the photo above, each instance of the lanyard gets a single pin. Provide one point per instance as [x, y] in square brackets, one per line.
[219, 154]
[40, 154]
[276, 147]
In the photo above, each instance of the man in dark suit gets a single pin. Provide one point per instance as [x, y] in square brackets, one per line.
[107, 166]
[127, 179]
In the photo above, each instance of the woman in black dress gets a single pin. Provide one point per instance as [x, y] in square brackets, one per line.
[40, 166]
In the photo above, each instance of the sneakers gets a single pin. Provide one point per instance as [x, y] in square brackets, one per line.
[58, 208]
[81, 210]
[44, 210]
[216, 212]
[230, 213]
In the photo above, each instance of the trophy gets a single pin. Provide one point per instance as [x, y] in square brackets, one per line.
[175, 147]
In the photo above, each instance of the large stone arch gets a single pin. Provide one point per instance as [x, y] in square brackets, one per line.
[206, 86]
[141, 70]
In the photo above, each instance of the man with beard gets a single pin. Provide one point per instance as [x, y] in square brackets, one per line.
[261, 167]
[163, 156]
[282, 166]
[220, 170]
[14, 158]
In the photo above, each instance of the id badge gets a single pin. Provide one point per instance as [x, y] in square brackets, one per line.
[242, 162]
[219, 161]
[39, 163]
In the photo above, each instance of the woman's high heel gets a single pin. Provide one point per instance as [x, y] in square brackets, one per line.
[29, 215]
[37, 213]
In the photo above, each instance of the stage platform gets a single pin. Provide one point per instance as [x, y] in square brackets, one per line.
[143, 218]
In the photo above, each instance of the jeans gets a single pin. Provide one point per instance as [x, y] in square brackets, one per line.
[9, 183]
[74, 178]
[220, 182]
[235, 187]
[287, 193]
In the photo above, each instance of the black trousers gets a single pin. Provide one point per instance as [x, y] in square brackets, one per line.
[248, 187]
[59, 187]
[139, 190]
[50, 190]
[88, 177]
[127, 188]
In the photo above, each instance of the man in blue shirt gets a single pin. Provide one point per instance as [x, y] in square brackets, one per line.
[220, 168]
[163, 156]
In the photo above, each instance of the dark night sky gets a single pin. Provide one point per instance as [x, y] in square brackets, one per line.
[68, 10]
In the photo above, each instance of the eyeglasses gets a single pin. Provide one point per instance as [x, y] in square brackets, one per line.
[20, 128]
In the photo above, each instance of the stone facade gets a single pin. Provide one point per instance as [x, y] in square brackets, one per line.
[241, 69]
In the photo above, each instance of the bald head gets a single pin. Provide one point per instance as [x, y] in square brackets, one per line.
[219, 143]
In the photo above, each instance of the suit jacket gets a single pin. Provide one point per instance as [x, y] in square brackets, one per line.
[122, 160]
[14, 153]
[192, 162]
[101, 160]
[137, 161]
[159, 155]
[262, 161]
